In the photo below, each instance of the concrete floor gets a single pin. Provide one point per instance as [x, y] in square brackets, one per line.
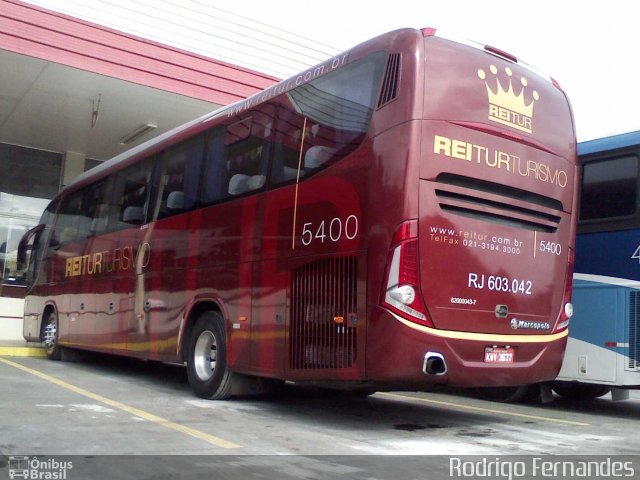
[108, 413]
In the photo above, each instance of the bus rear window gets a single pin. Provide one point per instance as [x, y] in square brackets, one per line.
[609, 188]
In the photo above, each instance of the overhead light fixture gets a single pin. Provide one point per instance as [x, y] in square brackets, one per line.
[137, 133]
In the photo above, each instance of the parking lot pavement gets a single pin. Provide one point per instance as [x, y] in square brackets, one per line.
[111, 406]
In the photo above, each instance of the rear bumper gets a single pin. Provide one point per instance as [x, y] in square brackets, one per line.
[397, 350]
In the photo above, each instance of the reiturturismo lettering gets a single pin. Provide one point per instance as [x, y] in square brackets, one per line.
[494, 158]
[120, 259]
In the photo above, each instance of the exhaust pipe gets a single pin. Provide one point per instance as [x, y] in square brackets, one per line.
[434, 364]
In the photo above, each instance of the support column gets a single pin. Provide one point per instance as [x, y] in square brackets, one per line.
[72, 166]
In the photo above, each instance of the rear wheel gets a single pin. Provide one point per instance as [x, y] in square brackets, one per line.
[207, 370]
[577, 391]
[50, 335]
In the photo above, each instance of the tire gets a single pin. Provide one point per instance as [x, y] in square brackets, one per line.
[50, 334]
[207, 370]
[580, 391]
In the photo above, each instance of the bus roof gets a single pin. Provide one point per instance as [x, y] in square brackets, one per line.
[612, 142]
[281, 87]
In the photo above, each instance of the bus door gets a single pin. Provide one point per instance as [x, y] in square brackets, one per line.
[96, 302]
[128, 256]
[77, 288]
[165, 275]
[30, 253]
[247, 143]
[35, 267]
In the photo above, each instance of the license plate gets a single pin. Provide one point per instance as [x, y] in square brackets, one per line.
[498, 355]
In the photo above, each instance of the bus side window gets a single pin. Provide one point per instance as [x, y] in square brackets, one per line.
[609, 188]
[214, 183]
[92, 214]
[132, 193]
[67, 227]
[248, 154]
[237, 156]
[96, 206]
[337, 108]
[181, 177]
[286, 155]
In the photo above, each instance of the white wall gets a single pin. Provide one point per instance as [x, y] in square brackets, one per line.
[11, 315]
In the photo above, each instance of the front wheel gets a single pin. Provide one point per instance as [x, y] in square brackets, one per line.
[50, 334]
[207, 370]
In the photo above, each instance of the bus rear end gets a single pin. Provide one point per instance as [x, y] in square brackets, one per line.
[481, 280]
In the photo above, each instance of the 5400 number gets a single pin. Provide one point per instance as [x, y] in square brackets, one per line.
[330, 230]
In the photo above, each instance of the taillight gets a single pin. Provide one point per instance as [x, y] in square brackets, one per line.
[401, 292]
[567, 307]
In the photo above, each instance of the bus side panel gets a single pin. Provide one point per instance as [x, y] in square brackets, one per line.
[598, 307]
[326, 324]
[271, 281]
[125, 320]
[95, 302]
[614, 254]
[268, 314]
[395, 171]
[132, 274]
[223, 248]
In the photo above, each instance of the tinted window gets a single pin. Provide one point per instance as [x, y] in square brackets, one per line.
[71, 223]
[609, 188]
[132, 193]
[286, 156]
[215, 181]
[326, 119]
[180, 178]
[238, 156]
[247, 153]
[83, 213]
[96, 201]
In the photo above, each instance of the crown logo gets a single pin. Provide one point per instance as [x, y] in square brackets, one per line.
[505, 107]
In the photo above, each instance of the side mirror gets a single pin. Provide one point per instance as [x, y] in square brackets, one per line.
[26, 245]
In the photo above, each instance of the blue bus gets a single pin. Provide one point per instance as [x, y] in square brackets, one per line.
[603, 351]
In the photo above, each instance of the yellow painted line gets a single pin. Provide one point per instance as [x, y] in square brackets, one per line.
[218, 442]
[22, 352]
[483, 410]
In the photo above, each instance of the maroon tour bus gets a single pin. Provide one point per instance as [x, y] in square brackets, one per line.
[401, 216]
